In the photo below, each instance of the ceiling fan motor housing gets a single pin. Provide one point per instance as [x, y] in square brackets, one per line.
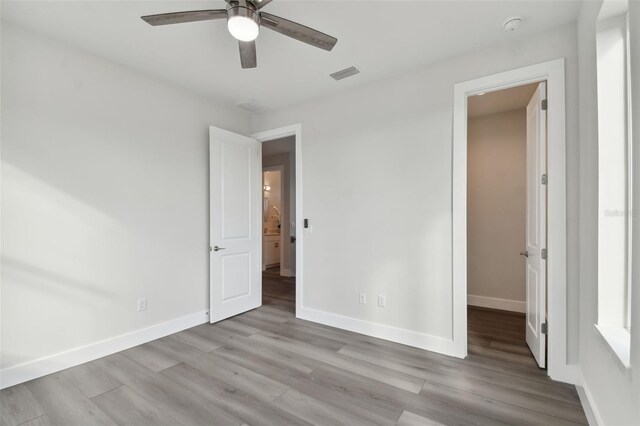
[246, 10]
[243, 20]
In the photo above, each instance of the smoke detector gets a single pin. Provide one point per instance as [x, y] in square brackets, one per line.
[512, 24]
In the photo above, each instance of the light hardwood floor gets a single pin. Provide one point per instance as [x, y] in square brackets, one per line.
[267, 368]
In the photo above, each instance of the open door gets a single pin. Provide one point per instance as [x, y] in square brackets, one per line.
[536, 237]
[235, 190]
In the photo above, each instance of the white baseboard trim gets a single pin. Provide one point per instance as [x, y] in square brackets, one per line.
[590, 409]
[382, 331]
[287, 273]
[51, 364]
[495, 303]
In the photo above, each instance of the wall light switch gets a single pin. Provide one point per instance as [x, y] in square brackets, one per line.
[142, 304]
[382, 300]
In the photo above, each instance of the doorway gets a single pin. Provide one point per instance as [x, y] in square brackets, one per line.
[558, 367]
[274, 217]
[279, 223]
[506, 224]
[236, 220]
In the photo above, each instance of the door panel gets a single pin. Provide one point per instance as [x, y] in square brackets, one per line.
[536, 224]
[236, 202]
[236, 275]
[235, 186]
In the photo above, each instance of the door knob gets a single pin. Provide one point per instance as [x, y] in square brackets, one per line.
[524, 253]
[216, 248]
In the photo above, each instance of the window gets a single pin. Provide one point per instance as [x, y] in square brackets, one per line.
[615, 209]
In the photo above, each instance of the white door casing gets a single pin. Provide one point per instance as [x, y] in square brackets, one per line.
[536, 225]
[235, 193]
[553, 72]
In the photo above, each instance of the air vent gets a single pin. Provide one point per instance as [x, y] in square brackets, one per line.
[252, 105]
[348, 72]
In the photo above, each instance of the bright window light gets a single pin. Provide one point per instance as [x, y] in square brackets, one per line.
[615, 174]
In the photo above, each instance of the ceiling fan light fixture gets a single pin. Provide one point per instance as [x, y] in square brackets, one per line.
[243, 23]
[244, 18]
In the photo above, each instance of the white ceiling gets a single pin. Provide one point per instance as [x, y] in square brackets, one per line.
[382, 38]
[501, 100]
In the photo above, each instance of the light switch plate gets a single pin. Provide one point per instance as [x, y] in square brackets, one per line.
[382, 300]
[142, 304]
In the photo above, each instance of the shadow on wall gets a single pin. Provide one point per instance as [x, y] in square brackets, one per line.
[56, 278]
[20, 273]
[31, 294]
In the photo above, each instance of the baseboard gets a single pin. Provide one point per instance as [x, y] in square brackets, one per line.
[406, 337]
[590, 409]
[61, 361]
[495, 303]
[287, 273]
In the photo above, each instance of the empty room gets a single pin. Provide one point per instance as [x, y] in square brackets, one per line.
[305, 212]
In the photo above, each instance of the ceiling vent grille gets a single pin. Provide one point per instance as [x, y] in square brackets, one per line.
[252, 105]
[347, 72]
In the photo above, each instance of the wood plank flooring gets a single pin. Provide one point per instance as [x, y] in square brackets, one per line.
[267, 368]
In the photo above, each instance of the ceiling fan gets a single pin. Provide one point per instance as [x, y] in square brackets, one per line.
[244, 19]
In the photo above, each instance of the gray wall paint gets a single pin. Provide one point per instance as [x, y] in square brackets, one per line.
[496, 205]
[104, 198]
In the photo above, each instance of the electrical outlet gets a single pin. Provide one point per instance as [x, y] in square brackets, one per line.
[382, 300]
[363, 298]
[142, 304]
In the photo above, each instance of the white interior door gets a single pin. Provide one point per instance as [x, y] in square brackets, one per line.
[235, 190]
[536, 224]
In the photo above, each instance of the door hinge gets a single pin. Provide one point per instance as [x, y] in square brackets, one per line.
[210, 248]
[544, 105]
[544, 254]
[545, 179]
[544, 327]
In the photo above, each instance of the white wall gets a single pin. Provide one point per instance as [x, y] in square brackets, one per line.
[496, 210]
[104, 198]
[376, 166]
[614, 391]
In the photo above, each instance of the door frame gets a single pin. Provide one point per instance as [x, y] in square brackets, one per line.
[278, 133]
[281, 170]
[554, 74]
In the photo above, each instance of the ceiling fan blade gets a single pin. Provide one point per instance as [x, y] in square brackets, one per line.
[263, 3]
[181, 17]
[297, 31]
[248, 57]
